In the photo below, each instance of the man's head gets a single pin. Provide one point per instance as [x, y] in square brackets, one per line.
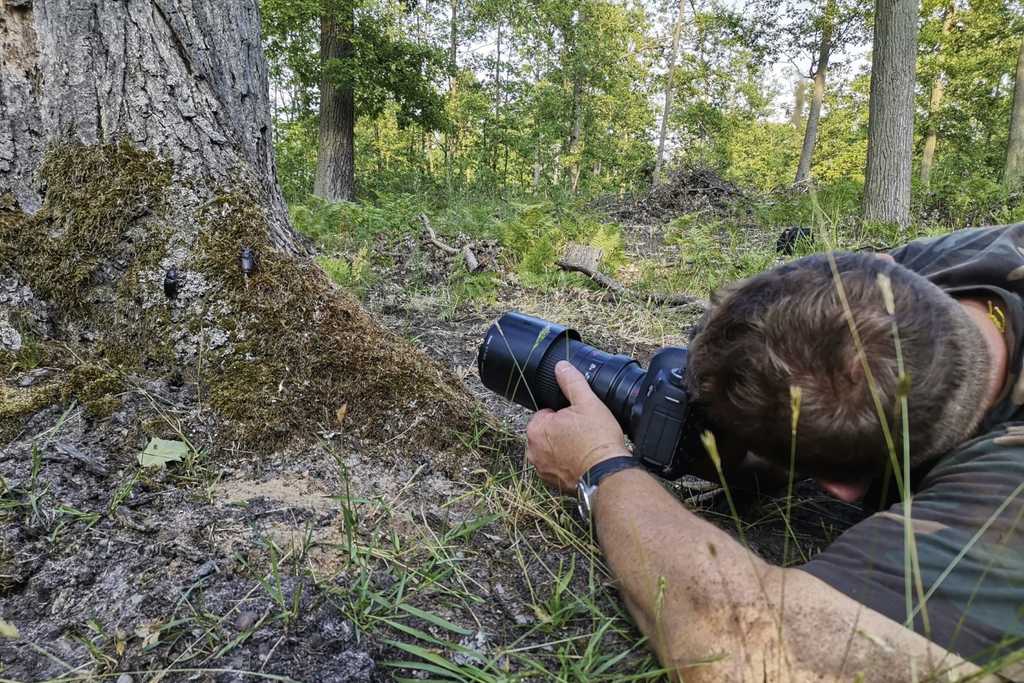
[787, 327]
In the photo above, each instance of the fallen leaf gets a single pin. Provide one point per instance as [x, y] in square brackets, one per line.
[159, 452]
[8, 630]
[341, 413]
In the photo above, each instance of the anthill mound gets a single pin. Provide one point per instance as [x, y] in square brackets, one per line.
[277, 352]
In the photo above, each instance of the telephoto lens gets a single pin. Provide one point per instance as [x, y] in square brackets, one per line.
[517, 360]
[518, 356]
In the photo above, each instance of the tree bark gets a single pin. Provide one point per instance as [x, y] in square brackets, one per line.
[935, 106]
[184, 79]
[335, 164]
[796, 117]
[575, 133]
[891, 113]
[803, 172]
[1014, 173]
[667, 110]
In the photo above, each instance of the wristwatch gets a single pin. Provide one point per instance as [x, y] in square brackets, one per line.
[587, 486]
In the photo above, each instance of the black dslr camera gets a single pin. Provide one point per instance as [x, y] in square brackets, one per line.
[517, 360]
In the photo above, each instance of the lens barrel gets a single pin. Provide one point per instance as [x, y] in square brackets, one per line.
[517, 360]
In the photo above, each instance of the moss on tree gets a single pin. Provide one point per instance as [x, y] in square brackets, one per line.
[275, 353]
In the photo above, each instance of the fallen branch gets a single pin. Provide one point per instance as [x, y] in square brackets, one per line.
[619, 289]
[472, 263]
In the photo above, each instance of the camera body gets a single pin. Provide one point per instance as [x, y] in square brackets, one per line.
[517, 360]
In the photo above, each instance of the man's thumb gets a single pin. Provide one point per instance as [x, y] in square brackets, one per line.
[572, 382]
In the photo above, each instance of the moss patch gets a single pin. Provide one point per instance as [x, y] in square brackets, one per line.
[93, 196]
[18, 404]
[95, 388]
[301, 348]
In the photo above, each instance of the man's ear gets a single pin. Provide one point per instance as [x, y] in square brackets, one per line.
[846, 491]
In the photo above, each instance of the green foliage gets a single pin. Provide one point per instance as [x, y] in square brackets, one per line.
[343, 226]
[354, 274]
[295, 147]
[536, 236]
[712, 253]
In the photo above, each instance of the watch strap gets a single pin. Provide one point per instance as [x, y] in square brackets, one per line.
[595, 474]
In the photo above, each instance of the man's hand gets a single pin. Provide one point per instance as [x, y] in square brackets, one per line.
[563, 445]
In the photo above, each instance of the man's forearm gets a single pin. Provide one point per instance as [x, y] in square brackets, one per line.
[714, 611]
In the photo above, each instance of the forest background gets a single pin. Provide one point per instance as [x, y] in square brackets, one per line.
[513, 120]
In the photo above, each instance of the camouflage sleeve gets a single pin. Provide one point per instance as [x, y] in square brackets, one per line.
[969, 537]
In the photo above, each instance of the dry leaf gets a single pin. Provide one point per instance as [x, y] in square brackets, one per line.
[341, 413]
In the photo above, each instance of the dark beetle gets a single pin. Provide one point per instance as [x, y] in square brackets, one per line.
[247, 260]
[790, 236]
[171, 283]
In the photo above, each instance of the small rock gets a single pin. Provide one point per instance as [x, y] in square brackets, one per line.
[32, 377]
[246, 620]
[206, 569]
[125, 678]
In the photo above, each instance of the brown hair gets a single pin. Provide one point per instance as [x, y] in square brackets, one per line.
[787, 327]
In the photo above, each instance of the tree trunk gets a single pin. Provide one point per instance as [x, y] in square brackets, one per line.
[803, 171]
[186, 81]
[796, 117]
[891, 113]
[336, 162]
[576, 132]
[1014, 172]
[453, 46]
[142, 230]
[799, 96]
[667, 111]
[935, 105]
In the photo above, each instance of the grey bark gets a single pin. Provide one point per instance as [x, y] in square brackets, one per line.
[796, 117]
[803, 172]
[577, 131]
[935, 106]
[1014, 172]
[184, 79]
[891, 112]
[335, 163]
[667, 110]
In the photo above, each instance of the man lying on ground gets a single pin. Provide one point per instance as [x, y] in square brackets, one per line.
[947, 343]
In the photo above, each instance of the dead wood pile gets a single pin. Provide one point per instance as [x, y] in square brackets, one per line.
[685, 190]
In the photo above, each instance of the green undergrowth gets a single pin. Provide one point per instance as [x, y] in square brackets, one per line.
[537, 235]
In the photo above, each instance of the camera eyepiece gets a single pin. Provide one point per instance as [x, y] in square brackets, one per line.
[517, 360]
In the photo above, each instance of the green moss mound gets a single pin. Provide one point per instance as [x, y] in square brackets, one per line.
[94, 195]
[278, 353]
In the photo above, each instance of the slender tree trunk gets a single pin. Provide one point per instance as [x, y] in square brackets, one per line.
[453, 41]
[667, 110]
[935, 105]
[796, 117]
[576, 132]
[891, 113]
[335, 166]
[537, 168]
[803, 171]
[1014, 172]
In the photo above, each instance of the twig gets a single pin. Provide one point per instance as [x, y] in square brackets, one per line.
[620, 290]
[472, 264]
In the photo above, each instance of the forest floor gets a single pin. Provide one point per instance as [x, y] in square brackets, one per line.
[340, 561]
